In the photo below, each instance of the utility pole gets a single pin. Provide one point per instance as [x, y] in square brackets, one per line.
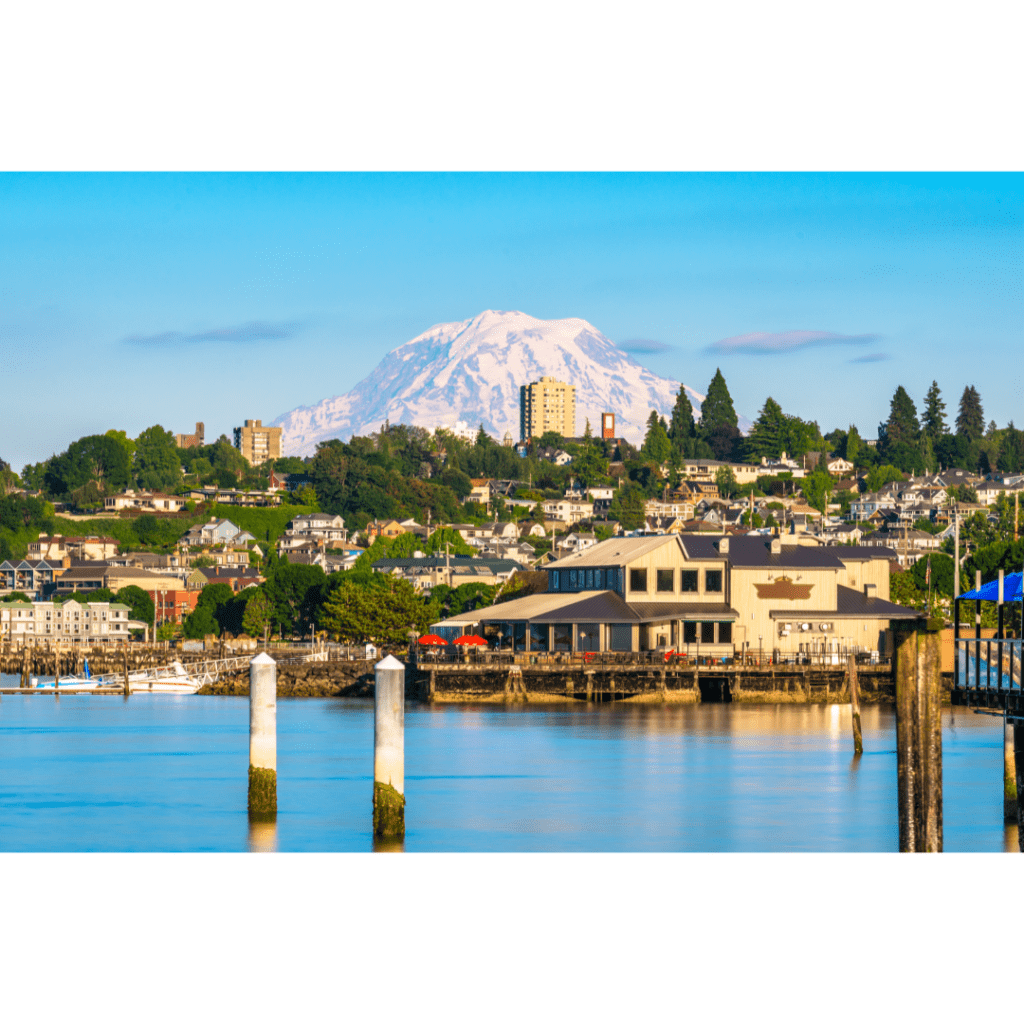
[1016, 514]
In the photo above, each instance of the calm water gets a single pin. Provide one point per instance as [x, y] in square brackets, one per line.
[169, 773]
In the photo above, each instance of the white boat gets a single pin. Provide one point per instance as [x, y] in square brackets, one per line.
[173, 678]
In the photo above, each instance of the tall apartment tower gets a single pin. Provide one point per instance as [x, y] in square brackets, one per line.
[607, 425]
[257, 442]
[547, 404]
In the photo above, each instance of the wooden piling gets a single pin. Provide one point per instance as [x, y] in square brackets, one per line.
[124, 651]
[1010, 791]
[263, 737]
[1018, 756]
[917, 668]
[389, 748]
[851, 668]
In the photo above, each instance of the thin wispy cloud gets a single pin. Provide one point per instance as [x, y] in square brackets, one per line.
[644, 346]
[764, 343]
[872, 357]
[243, 334]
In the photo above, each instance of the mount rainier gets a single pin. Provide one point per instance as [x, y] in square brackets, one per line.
[472, 371]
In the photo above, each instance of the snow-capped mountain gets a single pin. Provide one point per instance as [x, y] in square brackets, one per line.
[472, 371]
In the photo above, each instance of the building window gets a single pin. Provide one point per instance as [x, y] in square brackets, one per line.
[562, 637]
[688, 581]
[590, 579]
[572, 579]
[666, 580]
[713, 581]
[621, 638]
[707, 632]
[725, 632]
[599, 579]
[638, 581]
[689, 632]
[589, 636]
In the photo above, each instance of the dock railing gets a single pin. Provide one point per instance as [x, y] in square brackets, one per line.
[987, 665]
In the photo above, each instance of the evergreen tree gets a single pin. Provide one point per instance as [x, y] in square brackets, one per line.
[681, 428]
[1011, 451]
[853, 445]
[970, 421]
[902, 426]
[769, 434]
[718, 420]
[656, 446]
[933, 421]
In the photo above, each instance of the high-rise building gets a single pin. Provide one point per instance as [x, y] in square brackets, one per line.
[607, 425]
[547, 404]
[257, 442]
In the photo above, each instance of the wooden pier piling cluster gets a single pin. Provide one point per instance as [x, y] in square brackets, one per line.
[919, 736]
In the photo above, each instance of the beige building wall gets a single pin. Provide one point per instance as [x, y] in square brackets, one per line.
[547, 404]
[258, 443]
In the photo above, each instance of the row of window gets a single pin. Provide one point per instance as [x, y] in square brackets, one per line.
[706, 631]
[665, 581]
[586, 579]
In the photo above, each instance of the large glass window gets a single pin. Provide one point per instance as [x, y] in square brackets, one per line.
[519, 636]
[590, 579]
[725, 632]
[666, 580]
[599, 579]
[689, 632]
[588, 635]
[638, 581]
[621, 638]
[713, 581]
[688, 581]
[707, 632]
[538, 637]
[573, 585]
[554, 579]
[562, 637]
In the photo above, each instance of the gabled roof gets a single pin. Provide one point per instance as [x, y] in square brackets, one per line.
[614, 551]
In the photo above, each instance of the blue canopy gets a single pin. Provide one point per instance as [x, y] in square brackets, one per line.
[990, 591]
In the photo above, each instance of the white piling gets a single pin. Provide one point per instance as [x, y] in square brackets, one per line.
[263, 736]
[389, 748]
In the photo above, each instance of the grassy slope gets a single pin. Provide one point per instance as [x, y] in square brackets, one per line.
[256, 520]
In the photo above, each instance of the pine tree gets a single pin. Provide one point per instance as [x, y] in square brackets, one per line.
[718, 420]
[970, 421]
[933, 420]
[768, 436]
[656, 447]
[902, 426]
[1011, 451]
[681, 427]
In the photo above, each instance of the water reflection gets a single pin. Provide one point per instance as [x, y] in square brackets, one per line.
[262, 836]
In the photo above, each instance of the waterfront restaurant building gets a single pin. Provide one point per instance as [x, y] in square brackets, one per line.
[706, 595]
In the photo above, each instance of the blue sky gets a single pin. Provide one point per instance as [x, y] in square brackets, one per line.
[128, 300]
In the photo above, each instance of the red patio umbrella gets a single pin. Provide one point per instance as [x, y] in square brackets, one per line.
[470, 639]
[432, 638]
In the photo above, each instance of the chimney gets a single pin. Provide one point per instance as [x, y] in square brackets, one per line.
[869, 591]
[776, 546]
[723, 546]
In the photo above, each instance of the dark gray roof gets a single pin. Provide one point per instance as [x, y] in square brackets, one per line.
[853, 604]
[754, 551]
[653, 611]
[861, 553]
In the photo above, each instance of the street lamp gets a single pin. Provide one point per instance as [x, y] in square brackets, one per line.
[760, 652]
